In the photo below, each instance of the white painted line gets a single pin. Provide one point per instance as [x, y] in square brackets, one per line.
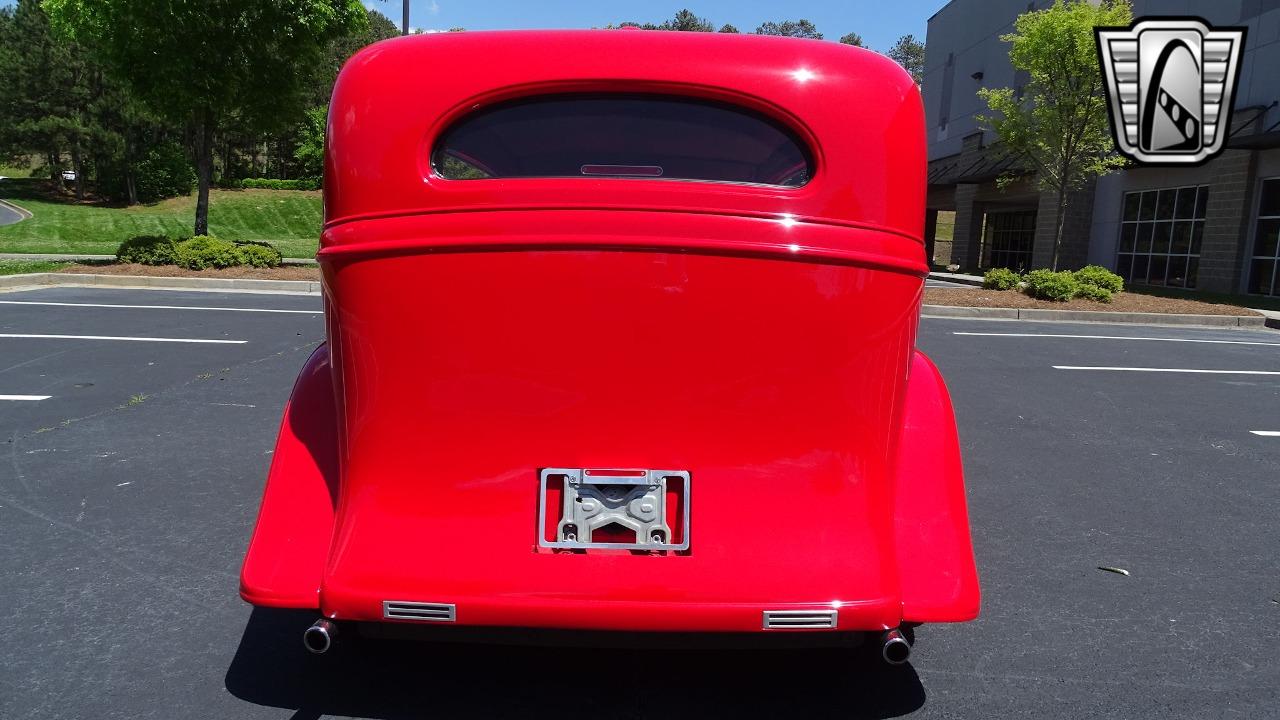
[127, 339]
[1120, 337]
[160, 307]
[1266, 433]
[1168, 370]
[25, 397]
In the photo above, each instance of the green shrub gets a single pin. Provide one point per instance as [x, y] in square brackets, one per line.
[1001, 279]
[148, 250]
[205, 251]
[1050, 285]
[163, 173]
[1099, 277]
[258, 254]
[1094, 293]
[310, 183]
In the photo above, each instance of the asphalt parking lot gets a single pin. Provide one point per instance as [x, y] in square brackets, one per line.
[136, 459]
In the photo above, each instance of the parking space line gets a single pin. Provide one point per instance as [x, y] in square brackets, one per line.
[161, 307]
[1266, 433]
[126, 339]
[1167, 370]
[1121, 337]
[21, 398]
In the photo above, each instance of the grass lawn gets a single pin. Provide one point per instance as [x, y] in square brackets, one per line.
[288, 219]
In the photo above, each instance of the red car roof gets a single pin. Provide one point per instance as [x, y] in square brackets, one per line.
[858, 111]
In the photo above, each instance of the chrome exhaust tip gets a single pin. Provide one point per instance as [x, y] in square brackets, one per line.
[319, 637]
[894, 647]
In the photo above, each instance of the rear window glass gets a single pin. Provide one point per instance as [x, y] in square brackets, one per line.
[653, 137]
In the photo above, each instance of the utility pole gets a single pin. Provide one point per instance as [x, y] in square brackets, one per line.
[404, 21]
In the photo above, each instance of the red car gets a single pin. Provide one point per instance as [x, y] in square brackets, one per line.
[621, 336]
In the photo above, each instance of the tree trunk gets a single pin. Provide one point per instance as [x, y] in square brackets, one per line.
[78, 169]
[1057, 233]
[55, 169]
[204, 171]
[130, 184]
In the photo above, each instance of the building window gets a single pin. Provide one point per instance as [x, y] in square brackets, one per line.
[948, 79]
[1160, 236]
[1010, 236]
[1264, 278]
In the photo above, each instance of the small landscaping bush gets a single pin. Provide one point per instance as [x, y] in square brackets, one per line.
[311, 183]
[1099, 277]
[1001, 279]
[206, 251]
[1093, 292]
[258, 254]
[1050, 285]
[148, 250]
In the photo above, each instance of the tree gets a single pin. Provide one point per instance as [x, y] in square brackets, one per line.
[206, 64]
[909, 53]
[686, 21]
[1059, 127]
[310, 150]
[853, 39]
[44, 89]
[728, 28]
[798, 28]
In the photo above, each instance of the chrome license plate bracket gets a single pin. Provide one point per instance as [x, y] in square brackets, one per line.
[597, 507]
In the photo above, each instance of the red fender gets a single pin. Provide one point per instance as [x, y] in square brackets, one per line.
[290, 543]
[938, 577]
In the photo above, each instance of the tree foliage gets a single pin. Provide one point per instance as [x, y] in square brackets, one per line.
[207, 64]
[853, 39]
[1059, 127]
[790, 28]
[684, 21]
[909, 53]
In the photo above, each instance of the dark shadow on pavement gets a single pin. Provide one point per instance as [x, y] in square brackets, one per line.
[393, 679]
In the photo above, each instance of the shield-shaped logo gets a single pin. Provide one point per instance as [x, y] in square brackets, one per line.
[1170, 86]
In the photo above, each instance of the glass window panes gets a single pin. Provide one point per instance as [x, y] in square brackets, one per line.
[1270, 206]
[1266, 241]
[1185, 208]
[1160, 235]
[1009, 236]
[1148, 209]
[1164, 204]
[1131, 203]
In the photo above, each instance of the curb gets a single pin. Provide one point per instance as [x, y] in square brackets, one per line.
[974, 280]
[63, 257]
[1093, 316]
[38, 280]
[23, 213]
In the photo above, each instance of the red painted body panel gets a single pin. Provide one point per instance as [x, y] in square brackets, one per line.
[759, 337]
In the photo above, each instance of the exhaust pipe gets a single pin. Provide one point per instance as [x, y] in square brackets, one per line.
[320, 636]
[894, 647]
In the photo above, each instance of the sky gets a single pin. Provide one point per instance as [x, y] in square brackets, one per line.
[879, 22]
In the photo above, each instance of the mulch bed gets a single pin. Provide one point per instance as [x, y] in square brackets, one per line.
[287, 272]
[1121, 302]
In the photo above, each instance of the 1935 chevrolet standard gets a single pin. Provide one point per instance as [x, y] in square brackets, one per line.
[621, 336]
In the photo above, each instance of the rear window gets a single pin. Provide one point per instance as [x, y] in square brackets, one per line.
[631, 136]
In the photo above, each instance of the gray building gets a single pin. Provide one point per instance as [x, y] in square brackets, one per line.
[1214, 227]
